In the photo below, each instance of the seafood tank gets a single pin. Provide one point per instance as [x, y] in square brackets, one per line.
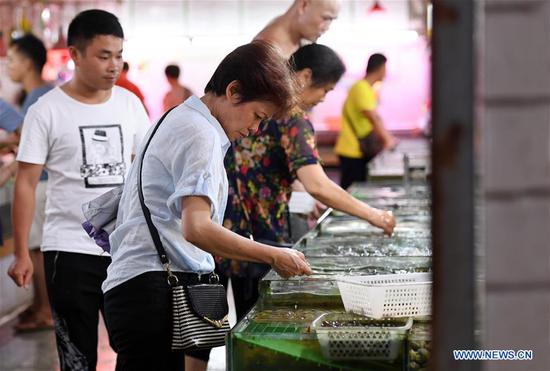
[300, 323]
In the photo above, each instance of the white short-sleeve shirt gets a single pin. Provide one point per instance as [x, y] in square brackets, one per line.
[86, 149]
[185, 158]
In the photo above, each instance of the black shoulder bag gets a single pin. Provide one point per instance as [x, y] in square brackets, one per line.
[200, 310]
[371, 144]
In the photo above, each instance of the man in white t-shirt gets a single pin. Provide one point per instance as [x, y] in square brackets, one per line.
[84, 134]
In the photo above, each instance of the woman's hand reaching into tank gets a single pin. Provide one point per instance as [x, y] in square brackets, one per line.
[289, 263]
[383, 219]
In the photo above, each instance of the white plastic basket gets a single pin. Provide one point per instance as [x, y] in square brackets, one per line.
[387, 295]
[362, 339]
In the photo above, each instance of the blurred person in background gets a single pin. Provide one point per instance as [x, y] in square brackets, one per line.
[26, 58]
[359, 118]
[177, 93]
[304, 20]
[10, 122]
[58, 134]
[125, 83]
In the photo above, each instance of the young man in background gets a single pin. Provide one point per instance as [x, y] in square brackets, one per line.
[360, 118]
[59, 134]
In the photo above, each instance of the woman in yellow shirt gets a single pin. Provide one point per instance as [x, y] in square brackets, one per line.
[359, 118]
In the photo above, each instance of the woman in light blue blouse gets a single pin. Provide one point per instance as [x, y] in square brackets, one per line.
[185, 187]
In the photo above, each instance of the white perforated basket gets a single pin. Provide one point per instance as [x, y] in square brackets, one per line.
[360, 338]
[387, 295]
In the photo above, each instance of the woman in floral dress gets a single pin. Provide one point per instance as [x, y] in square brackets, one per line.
[262, 168]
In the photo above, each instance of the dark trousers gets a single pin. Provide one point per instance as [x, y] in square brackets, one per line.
[138, 314]
[352, 170]
[74, 288]
[245, 293]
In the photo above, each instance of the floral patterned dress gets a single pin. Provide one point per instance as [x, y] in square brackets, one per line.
[261, 170]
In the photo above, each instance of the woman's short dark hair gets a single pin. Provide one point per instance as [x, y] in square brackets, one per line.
[375, 62]
[91, 23]
[33, 48]
[325, 65]
[262, 73]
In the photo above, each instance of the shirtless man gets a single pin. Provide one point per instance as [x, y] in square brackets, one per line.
[304, 20]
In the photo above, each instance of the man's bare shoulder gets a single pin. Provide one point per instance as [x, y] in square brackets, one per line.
[279, 36]
[271, 32]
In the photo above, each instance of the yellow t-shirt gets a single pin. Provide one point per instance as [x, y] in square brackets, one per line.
[361, 97]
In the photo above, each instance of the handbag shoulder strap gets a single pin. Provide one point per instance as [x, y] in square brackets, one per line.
[152, 229]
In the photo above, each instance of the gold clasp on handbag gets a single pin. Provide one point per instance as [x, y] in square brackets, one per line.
[216, 322]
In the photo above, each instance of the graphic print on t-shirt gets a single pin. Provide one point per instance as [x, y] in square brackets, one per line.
[102, 155]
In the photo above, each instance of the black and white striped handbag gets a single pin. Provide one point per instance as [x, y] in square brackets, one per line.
[199, 318]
